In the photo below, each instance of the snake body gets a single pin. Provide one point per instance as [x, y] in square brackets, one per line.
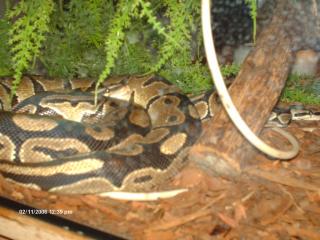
[53, 137]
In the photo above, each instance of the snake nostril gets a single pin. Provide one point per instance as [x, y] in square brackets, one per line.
[172, 118]
[113, 104]
[168, 101]
[97, 128]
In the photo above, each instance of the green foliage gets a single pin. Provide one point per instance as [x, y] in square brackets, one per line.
[178, 30]
[253, 13]
[304, 89]
[74, 45]
[134, 57]
[146, 11]
[120, 22]
[163, 46]
[230, 70]
[5, 60]
[98, 38]
[31, 20]
[89, 29]
[182, 64]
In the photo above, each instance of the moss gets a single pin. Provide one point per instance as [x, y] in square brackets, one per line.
[304, 89]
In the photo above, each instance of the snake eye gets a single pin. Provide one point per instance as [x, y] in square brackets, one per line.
[114, 104]
[168, 101]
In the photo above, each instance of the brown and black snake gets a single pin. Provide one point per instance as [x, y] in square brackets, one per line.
[54, 137]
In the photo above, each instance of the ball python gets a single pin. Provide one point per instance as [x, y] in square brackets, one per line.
[54, 138]
[60, 141]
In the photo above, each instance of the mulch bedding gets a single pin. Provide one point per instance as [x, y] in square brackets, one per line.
[270, 200]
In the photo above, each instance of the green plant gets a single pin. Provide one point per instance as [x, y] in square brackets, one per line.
[122, 20]
[186, 70]
[31, 20]
[230, 70]
[98, 38]
[301, 89]
[74, 45]
[253, 13]
[5, 60]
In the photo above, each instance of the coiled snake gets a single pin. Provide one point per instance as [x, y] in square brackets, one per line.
[135, 137]
[54, 137]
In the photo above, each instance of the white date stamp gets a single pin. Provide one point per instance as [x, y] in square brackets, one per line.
[44, 211]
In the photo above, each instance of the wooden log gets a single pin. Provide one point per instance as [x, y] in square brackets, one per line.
[255, 91]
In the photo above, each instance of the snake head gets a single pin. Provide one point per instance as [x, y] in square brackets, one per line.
[117, 88]
[121, 92]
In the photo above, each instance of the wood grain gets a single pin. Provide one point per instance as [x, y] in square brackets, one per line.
[255, 92]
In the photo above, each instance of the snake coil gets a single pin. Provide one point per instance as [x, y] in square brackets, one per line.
[55, 138]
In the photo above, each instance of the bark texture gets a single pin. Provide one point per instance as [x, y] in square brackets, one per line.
[256, 90]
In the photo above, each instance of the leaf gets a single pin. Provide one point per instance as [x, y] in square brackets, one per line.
[27, 33]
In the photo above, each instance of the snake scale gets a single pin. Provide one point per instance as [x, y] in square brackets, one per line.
[54, 137]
